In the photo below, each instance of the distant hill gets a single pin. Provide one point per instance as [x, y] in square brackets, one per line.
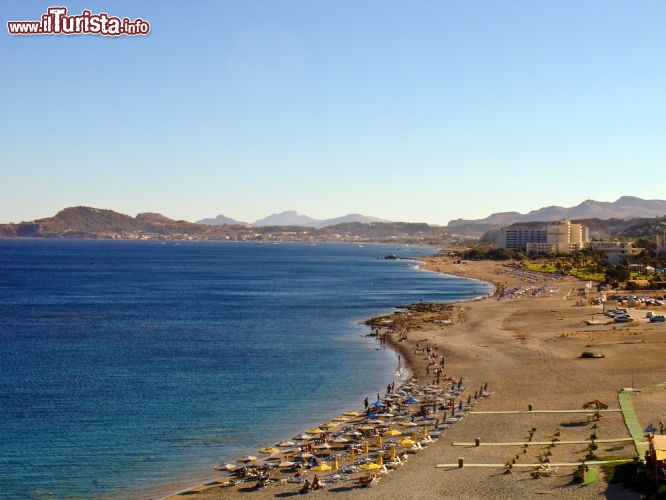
[293, 218]
[624, 208]
[349, 218]
[221, 220]
[287, 218]
[89, 222]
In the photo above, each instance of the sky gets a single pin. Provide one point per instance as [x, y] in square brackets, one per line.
[418, 111]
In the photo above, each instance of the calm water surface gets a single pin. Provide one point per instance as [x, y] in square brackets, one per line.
[125, 365]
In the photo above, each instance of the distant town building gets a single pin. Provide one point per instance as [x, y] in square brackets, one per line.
[615, 251]
[561, 237]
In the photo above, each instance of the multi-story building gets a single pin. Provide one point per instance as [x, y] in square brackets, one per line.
[561, 237]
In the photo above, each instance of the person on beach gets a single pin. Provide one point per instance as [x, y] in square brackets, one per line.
[306, 486]
[316, 483]
[365, 402]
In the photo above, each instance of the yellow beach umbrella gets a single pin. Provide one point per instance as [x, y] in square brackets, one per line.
[322, 467]
[314, 431]
[336, 464]
[269, 450]
[393, 452]
[380, 459]
[327, 425]
[341, 419]
[415, 436]
[407, 442]
[393, 433]
[370, 466]
[425, 431]
[365, 447]
[380, 442]
[352, 414]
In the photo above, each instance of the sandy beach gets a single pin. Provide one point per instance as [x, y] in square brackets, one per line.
[527, 349]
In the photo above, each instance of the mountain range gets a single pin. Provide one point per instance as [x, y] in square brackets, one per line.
[625, 207]
[90, 222]
[293, 218]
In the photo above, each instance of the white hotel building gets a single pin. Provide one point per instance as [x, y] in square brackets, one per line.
[561, 237]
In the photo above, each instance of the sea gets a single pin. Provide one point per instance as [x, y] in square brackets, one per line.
[131, 368]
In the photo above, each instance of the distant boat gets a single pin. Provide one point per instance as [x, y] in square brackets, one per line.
[391, 256]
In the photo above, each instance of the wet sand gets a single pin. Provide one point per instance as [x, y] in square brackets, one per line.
[527, 349]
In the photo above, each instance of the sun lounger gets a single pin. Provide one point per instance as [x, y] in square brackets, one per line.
[367, 481]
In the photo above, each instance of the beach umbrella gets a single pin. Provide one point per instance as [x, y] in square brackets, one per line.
[322, 467]
[380, 442]
[247, 458]
[314, 431]
[411, 401]
[377, 404]
[425, 431]
[327, 425]
[286, 464]
[407, 442]
[229, 467]
[336, 464]
[352, 414]
[370, 466]
[303, 437]
[341, 419]
[340, 441]
[365, 447]
[286, 444]
[393, 433]
[394, 453]
[415, 436]
[269, 450]
[409, 424]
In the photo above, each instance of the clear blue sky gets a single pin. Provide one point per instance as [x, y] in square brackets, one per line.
[406, 110]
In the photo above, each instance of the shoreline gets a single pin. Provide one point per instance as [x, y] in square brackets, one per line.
[527, 347]
[407, 360]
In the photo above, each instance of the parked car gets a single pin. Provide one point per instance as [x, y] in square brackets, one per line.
[655, 319]
[624, 319]
[649, 314]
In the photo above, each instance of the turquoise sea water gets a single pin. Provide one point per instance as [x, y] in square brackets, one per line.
[126, 365]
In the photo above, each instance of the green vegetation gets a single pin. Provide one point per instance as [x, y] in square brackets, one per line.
[626, 474]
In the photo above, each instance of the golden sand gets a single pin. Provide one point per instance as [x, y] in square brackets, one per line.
[527, 349]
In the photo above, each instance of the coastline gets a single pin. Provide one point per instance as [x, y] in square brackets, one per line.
[409, 366]
[527, 349]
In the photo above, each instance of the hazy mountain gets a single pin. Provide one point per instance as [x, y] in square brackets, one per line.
[287, 218]
[293, 218]
[349, 218]
[221, 220]
[626, 207]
